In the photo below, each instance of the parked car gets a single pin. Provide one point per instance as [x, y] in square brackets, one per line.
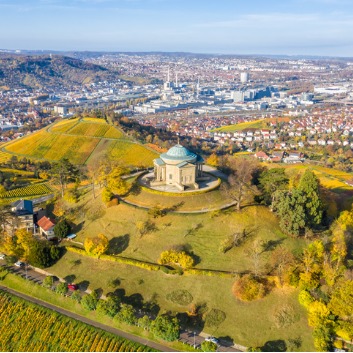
[2, 256]
[72, 286]
[212, 339]
[71, 236]
[19, 264]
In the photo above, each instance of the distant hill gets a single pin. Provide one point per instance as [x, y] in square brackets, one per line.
[18, 71]
[82, 141]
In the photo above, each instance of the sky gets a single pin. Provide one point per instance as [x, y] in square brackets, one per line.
[274, 27]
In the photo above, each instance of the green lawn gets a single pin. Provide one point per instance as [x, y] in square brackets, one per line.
[249, 324]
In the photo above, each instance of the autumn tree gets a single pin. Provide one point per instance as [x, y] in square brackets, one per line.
[96, 246]
[240, 186]
[63, 172]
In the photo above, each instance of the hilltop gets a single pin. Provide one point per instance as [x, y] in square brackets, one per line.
[22, 71]
[81, 141]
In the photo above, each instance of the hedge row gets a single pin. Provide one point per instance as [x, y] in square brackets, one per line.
[154, 267]
[119, 259]
[200, 272]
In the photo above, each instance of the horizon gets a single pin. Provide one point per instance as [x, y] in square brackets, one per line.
[293, 28]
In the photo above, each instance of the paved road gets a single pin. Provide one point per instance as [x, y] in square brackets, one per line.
[115, 331]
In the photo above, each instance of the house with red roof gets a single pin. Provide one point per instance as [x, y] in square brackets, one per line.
[46, 227]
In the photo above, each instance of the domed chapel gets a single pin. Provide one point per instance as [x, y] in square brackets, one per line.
[178, 167]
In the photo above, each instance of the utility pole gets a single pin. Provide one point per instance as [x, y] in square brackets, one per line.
[194, 340]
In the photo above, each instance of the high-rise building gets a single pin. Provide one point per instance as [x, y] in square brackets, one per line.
[244, 77]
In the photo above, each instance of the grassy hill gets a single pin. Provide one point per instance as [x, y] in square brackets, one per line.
[202, 235]
[43, 70]
[79, 140]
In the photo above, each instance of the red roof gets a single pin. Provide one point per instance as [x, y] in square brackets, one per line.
[45, 223]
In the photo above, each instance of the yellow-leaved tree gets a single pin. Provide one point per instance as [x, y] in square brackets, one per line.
[96, 246]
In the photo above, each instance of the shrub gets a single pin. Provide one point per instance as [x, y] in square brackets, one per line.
[208, 346]
[61, 288]
[180, 258]
[76, 296]
[96, 246]
[248, 288]
[305, 298]
[48, 281]
[215, 317]
[180, 296]
[107, 195]
[285, 316]
[90, 301]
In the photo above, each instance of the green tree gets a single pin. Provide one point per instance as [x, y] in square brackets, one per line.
[144, 322]
[62, 229]
[165, 327]
[40, 254]
[90, 301]
[309, 184]
[290, 208]
[110, 306]
[126, 314]
[272, 180]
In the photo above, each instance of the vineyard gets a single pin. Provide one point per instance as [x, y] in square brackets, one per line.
[90, 129]
[64, 125]
[54, 147]
[79, 141]
[30, 190]
[25, 327]
[132, 154]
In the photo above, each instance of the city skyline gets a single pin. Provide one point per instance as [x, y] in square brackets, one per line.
[296, 27]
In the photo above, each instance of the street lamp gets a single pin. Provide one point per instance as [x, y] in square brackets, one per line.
[194, 340]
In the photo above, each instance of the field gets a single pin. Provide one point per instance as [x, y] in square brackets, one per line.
[256, 124]
[30, 190]
[25, 327]
[77, 140]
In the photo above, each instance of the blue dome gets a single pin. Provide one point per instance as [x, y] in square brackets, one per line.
[179, 152]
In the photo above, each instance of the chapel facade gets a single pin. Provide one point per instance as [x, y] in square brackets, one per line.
[178, 167]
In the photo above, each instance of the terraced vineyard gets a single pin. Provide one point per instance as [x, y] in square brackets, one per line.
[64, 125]
[89, 129]
[30, 190]
[132, 154]
[25, 327]
[79, 141]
